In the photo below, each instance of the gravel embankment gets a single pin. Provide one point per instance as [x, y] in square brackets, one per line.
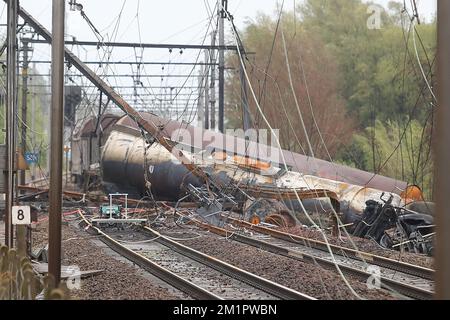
[364, 245]
[306, 278]
[119, 281]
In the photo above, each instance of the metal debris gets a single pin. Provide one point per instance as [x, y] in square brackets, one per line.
[395, 227]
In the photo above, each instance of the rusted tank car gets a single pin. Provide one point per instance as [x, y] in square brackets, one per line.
[201, 139]
[87, 142]
[122, 157]
[128, 165]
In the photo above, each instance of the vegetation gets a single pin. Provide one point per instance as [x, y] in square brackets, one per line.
[368, 93]
[36, 97]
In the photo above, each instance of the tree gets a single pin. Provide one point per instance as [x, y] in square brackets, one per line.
[379, 73]
[315, 81]
[41, 116]
[403, 152]
[371, 89]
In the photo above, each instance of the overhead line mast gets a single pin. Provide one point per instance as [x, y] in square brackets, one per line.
[10, 112]
[147, 126]
[222, 8]
[56, 140]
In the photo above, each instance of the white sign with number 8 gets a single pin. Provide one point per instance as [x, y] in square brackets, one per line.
[21, 215]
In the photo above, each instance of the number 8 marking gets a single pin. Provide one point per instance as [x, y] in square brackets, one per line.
[20, 215]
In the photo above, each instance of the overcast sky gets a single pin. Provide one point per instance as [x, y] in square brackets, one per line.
[154, 21]
[161, 19]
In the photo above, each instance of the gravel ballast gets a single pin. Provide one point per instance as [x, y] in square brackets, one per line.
[364, 245]
[118, 281]
[307, 278]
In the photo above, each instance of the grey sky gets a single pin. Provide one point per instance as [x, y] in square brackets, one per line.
[154, 21]
[166, 21]
[161, 19]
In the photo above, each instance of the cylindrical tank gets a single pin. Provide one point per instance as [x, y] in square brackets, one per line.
[123, 164]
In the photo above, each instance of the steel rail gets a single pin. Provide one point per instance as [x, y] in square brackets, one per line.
[78, 195]
[162, 273]
[253, 280]
[384, 262]
[386, 283]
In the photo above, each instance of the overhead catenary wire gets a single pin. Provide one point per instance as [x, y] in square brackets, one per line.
[284, 162]
[294, 94]
[420, 64]
[345, 230]
[310, 106]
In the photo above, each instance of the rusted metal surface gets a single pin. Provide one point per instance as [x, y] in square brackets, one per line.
[81, 196]
[128, 161]
[288, 193]
[93, 126]
[270, 211]
[86, 144]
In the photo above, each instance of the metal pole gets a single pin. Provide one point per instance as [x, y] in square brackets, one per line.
[33, 128]
[206, 91]
[56, 142]
[21, 231]
[25, 49]
[221, 66]
[212, 86]
[110, 206]
[10, 101]
[244, 97]
[200, 107]
[67, 166]
[126, 206]
[442, 153]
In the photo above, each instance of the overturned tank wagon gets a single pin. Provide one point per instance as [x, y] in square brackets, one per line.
[134, 164]
[86, 145]
[129, 162]
[198, 139]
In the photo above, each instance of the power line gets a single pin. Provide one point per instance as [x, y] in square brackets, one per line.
[164, 63]
[128, 75]
[141, 45]
[117, 87]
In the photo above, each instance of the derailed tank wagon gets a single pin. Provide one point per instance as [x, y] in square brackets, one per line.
[129, 163]
[86, 146]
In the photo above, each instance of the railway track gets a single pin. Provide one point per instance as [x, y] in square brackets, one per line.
[190, 271]
[394, 265]
[148, 265]
[405, 284]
